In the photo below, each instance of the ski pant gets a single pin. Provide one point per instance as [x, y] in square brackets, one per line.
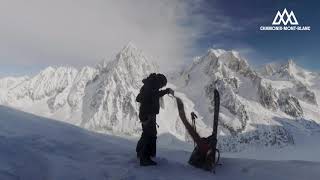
[146, 146]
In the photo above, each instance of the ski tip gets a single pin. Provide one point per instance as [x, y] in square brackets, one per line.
[216, 92]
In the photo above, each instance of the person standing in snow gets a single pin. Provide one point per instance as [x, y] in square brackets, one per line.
[149, 107]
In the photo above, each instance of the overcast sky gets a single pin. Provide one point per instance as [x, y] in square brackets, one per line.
[38, 33]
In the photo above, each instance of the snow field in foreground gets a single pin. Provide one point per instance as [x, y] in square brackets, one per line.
[33, 148]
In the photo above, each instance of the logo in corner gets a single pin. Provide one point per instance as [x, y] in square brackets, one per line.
[285, 21]
[280, 18]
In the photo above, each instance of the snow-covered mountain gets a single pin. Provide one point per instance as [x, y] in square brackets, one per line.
[293, 78]
[100, 99]
[109, 101]
[260, 108]
[54, 92]
[265, 110]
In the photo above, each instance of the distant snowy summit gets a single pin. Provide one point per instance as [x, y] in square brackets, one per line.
[258, 107]
[298, 81]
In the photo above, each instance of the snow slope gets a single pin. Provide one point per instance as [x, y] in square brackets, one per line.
[38, 148]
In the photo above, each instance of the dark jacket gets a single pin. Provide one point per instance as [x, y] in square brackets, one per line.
[149, 98]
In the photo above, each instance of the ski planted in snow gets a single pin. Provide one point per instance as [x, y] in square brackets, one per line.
[214, 139]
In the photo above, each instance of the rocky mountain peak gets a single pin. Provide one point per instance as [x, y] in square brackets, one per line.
[132, 57]
[288, 69]
[291, 63]
[269, 69]
[130, 48]
[216, 52]
[47, 70]
[129, 59]
[57, 71]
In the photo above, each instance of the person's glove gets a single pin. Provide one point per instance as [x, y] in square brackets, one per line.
[170, 91]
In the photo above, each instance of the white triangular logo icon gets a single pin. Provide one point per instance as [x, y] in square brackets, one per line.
[280, 18]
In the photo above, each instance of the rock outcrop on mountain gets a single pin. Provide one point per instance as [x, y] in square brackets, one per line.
[292, 74]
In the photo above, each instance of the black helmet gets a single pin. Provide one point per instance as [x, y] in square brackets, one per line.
[151, 78]
[162, 80]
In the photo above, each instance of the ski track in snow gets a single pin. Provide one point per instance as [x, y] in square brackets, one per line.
[37, 148]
